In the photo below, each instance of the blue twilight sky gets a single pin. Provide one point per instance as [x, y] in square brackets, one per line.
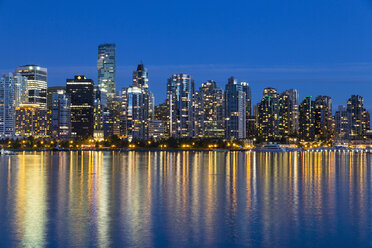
[318, 46]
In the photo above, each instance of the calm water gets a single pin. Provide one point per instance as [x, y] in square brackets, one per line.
[186, 199]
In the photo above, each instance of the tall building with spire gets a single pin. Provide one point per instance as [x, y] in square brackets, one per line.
[137, 108]
[106, 65]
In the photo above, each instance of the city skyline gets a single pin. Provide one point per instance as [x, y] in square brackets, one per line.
[315, 46]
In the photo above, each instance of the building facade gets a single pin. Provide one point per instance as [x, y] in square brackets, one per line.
[106, 66]
[36, 83]
[180, 97]
[81, 92]
[268, 115]
[33, 120]
[307, 119]
[7, 106]
[61, 115]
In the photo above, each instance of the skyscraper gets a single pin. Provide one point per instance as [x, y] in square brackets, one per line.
[106, 65]
[307, 119]
[342, 123]
[180, 93]
[209, 111]
[81, 92]
[7, 105]
[288, 113]
[358, 116]
[36, 83]
[323, 117]
[61, 114]
[268, 114]
[235, 110]
[137, 107]
[20, 89]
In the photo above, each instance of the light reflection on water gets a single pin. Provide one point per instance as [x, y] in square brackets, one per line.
[185, 199]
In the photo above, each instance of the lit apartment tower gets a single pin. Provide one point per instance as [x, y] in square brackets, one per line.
[366, 122]
[156, 129]
[268, 114]
[235, 110]
[106, 65]
[288, 113]
[98, 106]
[141, 79]
[61, 114]
[7, 106]
[342, 123]
[33, 120]
[37, 83]
[81, 92]
[307, 119]
[137, 108]
[323, 117]
[161, 112]
[357, 112]
[111, 118]
[20, 89]
[209, 111]
[50, 92]
[133, 113]
[180, 93]
[141, 76]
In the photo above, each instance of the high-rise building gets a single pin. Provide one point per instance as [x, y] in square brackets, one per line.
[20, 89]
[7, 105]
[358, 116]
[81, 92]
[323, 117]
[156, 129]
[50, 92]
[268, 114]
[180, 94]
[342, 123]
[141, 76]
[36, 83]
[99, 106]
[106, 65]
[161, 112]
[61, 114]
[32, 120]
[307, 119]
[137, 108]
[209, 115]
[235, 110]
[288, 113]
